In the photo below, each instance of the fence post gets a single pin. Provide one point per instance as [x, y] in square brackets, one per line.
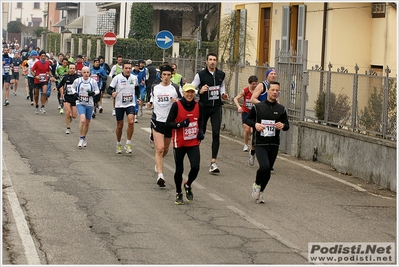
[304, 56]
[354, 97]
[385, 103]
[327, 96]
[236, 80]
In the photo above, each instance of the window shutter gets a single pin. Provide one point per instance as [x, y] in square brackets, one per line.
[232, 31]
[243, 29]
[301, 28]
[285, 33]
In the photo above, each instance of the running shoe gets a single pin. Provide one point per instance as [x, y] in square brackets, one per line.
[80, 144]
[68, 131]
[31, 103]
[214, 168]
[245, 149]
[251, 159]
[260, 200]
[179, 199]
[128, 148]
[272, 170]
[189, 193]
[84, 143]
[14, 93]
[255, 191]
[135, 119]
[6, 103]
[141, 112]
[152, 144]
[118, 149]
[100, 109]
[27, 97]
[42, 110]
[113, 112]
[93, 115]
[161, 182]
[59, 106]
[61, 111]
[37, 110]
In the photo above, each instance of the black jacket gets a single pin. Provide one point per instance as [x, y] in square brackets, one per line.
[267, 111]
[211, 80]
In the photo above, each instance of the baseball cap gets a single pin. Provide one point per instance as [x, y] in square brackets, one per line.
[188, 87]
[34, 53]
[148, 62]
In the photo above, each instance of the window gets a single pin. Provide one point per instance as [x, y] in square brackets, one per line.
[19, 19]
[237, 35]
[19, 4]
[36, 5]
[293, 27]
[378, 10]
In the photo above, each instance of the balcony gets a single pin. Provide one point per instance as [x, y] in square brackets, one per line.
[67, 6]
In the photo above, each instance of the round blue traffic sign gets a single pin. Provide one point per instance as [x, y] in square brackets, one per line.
[164, 39]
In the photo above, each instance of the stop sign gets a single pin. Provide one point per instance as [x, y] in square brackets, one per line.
[109, 38]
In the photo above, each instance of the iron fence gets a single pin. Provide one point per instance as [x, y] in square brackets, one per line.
[363, 103]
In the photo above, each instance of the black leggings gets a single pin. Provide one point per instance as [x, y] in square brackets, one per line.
[193, 154]
[31, 85]
[266, 155]
[215, 113]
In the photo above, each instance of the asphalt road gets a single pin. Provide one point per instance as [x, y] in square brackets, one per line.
[92, 206]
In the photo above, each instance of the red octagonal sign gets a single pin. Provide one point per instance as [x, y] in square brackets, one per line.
[109, 38]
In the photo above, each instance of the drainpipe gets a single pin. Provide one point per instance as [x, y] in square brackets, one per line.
[323, 44]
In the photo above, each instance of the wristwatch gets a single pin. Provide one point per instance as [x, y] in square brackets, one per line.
[178, 125]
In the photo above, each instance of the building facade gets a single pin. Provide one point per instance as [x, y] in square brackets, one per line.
[341, 33]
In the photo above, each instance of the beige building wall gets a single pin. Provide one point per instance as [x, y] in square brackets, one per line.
[353, 36]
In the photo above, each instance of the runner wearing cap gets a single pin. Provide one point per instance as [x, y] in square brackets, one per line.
[185, 118]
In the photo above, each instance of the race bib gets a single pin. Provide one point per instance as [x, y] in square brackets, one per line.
[84, 97]
[16, 69]
[6, 68]
[190, 132]
[163, 99]
[127, 98]
[42, 77]
[69, 89]
[213, 92]
[248, 104]
[270, 129]
[94, 77]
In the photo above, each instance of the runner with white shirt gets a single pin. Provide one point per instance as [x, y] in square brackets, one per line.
[84, 90]
[123, 87]
[162, 97]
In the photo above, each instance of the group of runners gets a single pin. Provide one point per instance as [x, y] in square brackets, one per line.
[180, 110]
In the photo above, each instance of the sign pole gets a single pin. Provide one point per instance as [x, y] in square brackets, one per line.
[163, 55]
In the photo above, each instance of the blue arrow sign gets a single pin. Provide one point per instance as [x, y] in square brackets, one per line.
[164, 39]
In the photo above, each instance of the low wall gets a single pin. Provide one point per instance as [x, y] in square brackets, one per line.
[372, 159]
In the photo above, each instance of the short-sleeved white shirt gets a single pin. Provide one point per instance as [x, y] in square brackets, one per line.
[161, 97]
[82, 86]
[125, 87]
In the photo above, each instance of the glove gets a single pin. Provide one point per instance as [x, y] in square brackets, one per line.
[185, 123]
[76, 96]
[200, 135]
[91, 93]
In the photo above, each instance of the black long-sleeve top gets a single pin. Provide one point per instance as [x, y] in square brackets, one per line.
[189, 106]
[267, 111]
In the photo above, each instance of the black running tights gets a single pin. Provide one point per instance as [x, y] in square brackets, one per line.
[266, 155]
[193, 154]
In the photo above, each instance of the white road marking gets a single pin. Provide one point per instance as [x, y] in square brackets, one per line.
[28, 245]
[215, 197]
[269, 231]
